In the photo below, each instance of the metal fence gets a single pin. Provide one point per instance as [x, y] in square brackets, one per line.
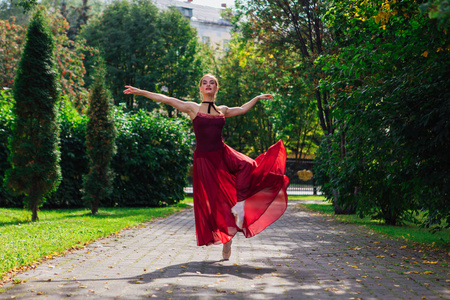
[297, 186]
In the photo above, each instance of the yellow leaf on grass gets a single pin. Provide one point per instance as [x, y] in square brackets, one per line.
[425, 54]
[430, 262]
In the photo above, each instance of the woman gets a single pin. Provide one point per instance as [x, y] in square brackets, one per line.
[232, 192]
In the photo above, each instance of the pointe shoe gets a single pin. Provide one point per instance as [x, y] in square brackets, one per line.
[226, 252]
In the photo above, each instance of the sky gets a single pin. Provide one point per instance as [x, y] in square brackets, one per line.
[214, 3]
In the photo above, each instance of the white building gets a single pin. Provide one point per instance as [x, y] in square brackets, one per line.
[211, 28]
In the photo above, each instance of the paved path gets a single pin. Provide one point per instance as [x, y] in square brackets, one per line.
[301, 256]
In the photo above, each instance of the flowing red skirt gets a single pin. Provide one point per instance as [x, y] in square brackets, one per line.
[222, 178]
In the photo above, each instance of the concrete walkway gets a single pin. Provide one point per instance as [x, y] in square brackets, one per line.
[301, 256]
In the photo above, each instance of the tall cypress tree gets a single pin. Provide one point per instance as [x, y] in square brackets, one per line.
[34, 150]
[100, 143]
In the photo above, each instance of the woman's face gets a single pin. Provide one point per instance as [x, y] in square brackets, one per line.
[208, 86]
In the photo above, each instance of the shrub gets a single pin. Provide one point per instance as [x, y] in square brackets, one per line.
[151, 165]
[100, 143]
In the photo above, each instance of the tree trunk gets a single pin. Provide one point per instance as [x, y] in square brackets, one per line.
[94, 207]
[34, 215]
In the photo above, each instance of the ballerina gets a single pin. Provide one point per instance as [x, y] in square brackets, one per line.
[232, 192]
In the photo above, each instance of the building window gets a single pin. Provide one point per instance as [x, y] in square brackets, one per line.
[185, 11]
[206, 40]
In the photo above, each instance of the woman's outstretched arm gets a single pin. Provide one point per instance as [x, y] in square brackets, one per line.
[240, 110]
[188, 107]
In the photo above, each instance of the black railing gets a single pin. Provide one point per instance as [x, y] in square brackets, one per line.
[297, 186]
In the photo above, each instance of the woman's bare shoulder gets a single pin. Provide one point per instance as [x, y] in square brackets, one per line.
[223, 109]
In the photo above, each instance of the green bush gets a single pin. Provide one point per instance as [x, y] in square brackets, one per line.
[153, 156]
[73, 162]
[152, 160]
[6, 117]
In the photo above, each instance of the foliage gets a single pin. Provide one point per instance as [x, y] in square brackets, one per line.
[11, 44]
[7, 199]
[153, 156]
[100, 143]
[10, 10]
[437, 9]
[60, 230]
[74, 161]
[242, 75]
[296, 27]
[248, 69]
[179, 67]
[144, 48]
[139, 140]
[34, 152]
[389, 81]
[68, 57]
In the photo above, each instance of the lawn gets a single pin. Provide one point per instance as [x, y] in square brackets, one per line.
[407, 232]
[25, 242]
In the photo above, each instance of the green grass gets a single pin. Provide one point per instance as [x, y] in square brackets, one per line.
[409, 232]
[188, 200]
[24, 242]
[307, 198]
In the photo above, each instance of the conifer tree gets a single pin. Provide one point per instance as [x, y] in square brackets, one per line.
[34, 150]
[100, 142]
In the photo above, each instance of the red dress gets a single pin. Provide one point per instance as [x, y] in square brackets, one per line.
[223, 176]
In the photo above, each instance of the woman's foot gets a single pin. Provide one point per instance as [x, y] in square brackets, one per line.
[226, 252]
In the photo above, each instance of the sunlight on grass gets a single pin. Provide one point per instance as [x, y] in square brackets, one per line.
[307, 198]
[24, 242]
[188, 200]
[407, 232]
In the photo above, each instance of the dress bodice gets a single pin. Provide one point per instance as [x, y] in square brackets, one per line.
[208, 131]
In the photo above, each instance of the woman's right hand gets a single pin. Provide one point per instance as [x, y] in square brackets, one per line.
[132, 90]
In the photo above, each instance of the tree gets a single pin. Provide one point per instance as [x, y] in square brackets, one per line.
[100, 143]
[389, 81]
[145, 48]
[295, 26]
[12, 39]
[69, 58]
[179, 67]
[34, 152]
